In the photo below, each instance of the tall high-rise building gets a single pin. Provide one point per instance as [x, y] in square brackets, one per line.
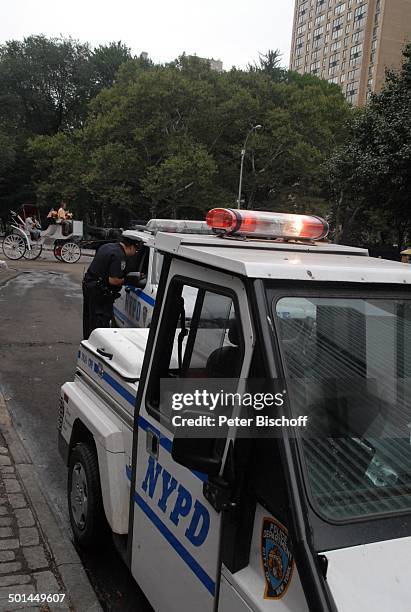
[350, 42]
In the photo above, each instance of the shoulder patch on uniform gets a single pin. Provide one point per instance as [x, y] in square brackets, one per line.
[123, 266]
[277, 558]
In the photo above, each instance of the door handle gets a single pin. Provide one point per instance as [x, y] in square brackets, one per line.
[152, 443]
[104, 353]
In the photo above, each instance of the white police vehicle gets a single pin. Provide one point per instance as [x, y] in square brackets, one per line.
[135, 306]
[288, 522]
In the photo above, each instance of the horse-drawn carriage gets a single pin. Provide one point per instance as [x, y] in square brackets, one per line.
[62, 237]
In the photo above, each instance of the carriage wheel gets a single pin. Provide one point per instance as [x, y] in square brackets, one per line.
[14, 246]
[57, 251]
[70, 252]
[34, 252]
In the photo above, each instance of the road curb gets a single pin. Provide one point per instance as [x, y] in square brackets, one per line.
[7, 275]
[67, 561]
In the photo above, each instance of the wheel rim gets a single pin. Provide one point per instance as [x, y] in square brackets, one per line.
[34, 252]
[14, 246]
[70, 252]
[79, 496]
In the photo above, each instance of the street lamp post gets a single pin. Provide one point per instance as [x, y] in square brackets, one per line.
[243, 150]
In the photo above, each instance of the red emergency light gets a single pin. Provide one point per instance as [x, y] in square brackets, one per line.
[261, 224]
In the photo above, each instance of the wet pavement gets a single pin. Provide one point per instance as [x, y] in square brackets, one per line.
[40, 330]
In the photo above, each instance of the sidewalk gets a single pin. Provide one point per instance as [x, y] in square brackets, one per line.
[36, 557]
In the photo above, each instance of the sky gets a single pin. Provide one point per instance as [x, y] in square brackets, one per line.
[234, 31]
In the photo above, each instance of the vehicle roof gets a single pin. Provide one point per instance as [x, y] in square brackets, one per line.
[145, 237]
[319, 261]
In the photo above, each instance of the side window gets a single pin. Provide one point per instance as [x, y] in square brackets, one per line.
[158, 259]
[200, 337]
[143, 260]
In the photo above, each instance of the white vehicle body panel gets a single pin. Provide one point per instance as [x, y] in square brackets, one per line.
[324, 262]
[107, 431]
[189, 570]
[371, 577]
[244, 590]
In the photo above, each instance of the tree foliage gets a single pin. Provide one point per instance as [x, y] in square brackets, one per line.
[166, 140]
[46, 85]
[370, 175]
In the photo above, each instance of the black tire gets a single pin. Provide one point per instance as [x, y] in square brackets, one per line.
[88, 525]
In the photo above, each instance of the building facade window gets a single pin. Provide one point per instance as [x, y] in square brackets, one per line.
[352, 92]
[357, 36]
[314, 68]
[353, 74]
[356, 51]
[340, 8]
[334, 59]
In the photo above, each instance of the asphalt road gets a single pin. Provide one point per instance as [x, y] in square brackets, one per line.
[40, 330]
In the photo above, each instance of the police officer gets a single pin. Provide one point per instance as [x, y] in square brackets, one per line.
[103, 281]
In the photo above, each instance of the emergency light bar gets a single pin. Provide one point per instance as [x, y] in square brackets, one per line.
[181, 226]
[263, 224]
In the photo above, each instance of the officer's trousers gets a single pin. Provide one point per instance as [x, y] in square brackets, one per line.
[97, 309]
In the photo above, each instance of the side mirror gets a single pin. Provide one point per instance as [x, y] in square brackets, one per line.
[199, 454]
[136, 279]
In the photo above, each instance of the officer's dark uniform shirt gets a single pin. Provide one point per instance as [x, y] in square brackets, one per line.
[110, 260]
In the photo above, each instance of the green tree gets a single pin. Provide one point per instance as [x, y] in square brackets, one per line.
[46, 85]
[270, 64]
[370, 176]
[106, 61]
[168, 139]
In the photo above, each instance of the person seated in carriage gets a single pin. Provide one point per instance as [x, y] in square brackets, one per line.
[33, 227]
[64, 217]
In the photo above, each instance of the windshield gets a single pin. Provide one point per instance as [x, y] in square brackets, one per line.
[348, 367]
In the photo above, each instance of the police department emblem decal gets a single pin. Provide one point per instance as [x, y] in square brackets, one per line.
[277, 558]
[123, 266]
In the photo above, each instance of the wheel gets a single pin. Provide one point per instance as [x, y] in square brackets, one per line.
[14, 246]
[34, 252]
[84, 496]
[57, 252]
[70, 252]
